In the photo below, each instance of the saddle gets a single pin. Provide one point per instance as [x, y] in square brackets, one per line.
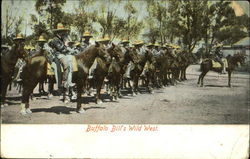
[50, 70]
[218, 65]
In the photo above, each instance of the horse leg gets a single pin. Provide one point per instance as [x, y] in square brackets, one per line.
[50, 86]
[203, 74]
[4, 85]
[136, 84]
[28, 88]
[10, 85]
[185, 78]
[79, 108]
[229, 78]
[98, 90]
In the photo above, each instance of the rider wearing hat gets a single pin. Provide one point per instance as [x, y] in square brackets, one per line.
[124, 45]
[19, 41]
[139, 47]
[87, 36]
[219, 55]
[61, 53]
[39, 48]
[125, 49]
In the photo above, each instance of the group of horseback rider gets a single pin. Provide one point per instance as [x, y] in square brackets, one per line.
[59, 52]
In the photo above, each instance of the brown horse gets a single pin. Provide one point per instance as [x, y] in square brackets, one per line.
[139, 61]
[9, 59]
[233, 61]
[189, 58]
[36, 71]
[109, 69]
[116, 70]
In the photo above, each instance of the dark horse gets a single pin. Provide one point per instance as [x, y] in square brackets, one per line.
[36, 71]
[116, 70]
[233, 61]
[9, 59]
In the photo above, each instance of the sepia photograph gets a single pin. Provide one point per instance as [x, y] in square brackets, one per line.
[125, 66]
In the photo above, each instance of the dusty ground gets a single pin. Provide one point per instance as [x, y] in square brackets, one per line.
[182, 104]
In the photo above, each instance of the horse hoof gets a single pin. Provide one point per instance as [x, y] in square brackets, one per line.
[23, 112]
[50, 96]
[6, 105]
[2, 105]
[28, 111]
[74, 97]
[66, 101]
[81, 111]
[99, 102]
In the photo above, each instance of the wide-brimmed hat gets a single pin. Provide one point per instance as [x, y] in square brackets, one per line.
[150, 44]
[87, 34]
[77, 43]
[218, 45]
[60, 28]
[157, 44]
[100, 39]
[175, 46]
[138, 42]
[41, 39]
[124, 41]
[19, 37]
[106, 38]
[29, 47]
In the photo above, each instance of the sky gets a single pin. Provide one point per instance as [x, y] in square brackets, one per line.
[26, 7]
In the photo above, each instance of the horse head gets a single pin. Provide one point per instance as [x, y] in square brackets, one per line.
[19, 49]
[115, 52]
[102, 52]
[240, 57]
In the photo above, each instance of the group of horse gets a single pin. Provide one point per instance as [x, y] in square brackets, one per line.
[158, 71]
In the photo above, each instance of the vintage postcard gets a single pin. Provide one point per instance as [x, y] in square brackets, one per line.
[125, 79]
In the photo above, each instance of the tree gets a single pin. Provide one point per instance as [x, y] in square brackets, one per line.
[222, 25]
[51, 10]
[132, 26]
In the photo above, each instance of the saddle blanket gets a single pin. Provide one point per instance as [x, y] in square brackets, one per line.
[50, 70]
[218, 65]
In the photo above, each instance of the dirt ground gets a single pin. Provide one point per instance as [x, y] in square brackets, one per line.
[185, 103]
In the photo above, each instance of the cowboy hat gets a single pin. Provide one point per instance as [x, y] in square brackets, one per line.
[157, 44]
[77, 43]
[19, 37]
[41, 39]
[150, 44]
[60, 28]
[100, 40]
[125, 41]
[87, 34]
[106, 38]
[218, 45]
[138, 42]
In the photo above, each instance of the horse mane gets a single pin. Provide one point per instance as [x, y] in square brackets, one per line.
[86, 53]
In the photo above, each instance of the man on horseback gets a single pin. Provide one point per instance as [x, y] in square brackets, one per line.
[125, 50]
[86, 43]
[218, 56]
[62, 54]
